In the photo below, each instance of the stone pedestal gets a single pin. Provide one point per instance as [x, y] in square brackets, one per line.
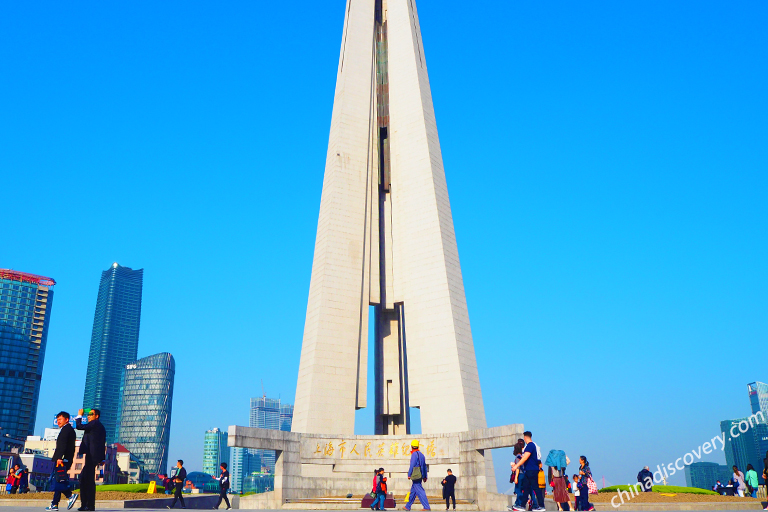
[318, 465]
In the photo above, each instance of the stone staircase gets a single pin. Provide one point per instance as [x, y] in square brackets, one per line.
[353, 503]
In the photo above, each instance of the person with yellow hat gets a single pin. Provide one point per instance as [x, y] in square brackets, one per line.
[417, 472]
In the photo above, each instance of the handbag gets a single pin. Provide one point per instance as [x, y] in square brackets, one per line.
[592, 486]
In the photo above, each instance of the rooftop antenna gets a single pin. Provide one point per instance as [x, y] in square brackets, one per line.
[263, 394]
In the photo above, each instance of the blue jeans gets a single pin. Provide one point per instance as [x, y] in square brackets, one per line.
[528, 488]
[380, 497]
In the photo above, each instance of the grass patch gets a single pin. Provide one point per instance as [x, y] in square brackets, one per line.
[127, 488]
[672, 489]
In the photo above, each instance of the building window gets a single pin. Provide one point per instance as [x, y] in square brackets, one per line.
[78, 466]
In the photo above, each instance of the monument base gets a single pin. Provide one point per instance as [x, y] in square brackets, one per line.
[322, 465]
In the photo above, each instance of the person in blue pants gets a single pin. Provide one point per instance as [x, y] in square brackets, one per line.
[417, 472]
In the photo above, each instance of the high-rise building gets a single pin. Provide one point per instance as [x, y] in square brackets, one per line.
[705, 475]
[114, 341]
[286, 417]
[243, 463]
[758, 397]
[270, 414]
[145, 409]
[25, 314]
[215, 451]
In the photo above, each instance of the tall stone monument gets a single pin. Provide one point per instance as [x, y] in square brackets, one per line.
[385, 238]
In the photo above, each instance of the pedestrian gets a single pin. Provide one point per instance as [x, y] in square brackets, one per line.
[380, 490]
[751, 480]
[576, 486]
[23, 480]
[516, 477]
[167, 484]
[765, 475]
[10, 482]
[62, 458]
[541, 487]
[374, 484]
[223, 486]
[738, 481]
[449, 489]
[417, 472]
[94, 447]
[559, 487]
[645, 477]
[586, 477]
[181, 476]
[529, 462]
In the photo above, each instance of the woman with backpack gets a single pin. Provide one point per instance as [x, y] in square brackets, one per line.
[586, 476]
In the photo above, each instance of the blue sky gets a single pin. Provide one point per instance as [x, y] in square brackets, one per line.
[607, 169]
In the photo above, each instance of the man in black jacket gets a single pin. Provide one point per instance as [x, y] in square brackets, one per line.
[223, 486]
[65, 452]
[178, 480]
[94, 447]
[449, 490]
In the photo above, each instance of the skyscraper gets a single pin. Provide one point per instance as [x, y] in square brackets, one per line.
[758, 397]
[145, 409]
[25, 314]
[215, 451]
[704, 475]
[114, 341]
[242, 464]
[271, 414]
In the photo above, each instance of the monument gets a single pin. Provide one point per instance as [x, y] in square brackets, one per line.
[385, 238]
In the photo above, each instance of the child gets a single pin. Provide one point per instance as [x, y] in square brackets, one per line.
[542, 487]
[576, 491]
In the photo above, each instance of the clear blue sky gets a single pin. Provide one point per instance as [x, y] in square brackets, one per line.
[607, 169]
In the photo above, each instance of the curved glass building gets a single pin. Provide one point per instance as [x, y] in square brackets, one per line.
[25, 314]
[145, 410]
[114, 341]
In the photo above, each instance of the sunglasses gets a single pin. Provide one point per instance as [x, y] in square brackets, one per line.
[91, 414]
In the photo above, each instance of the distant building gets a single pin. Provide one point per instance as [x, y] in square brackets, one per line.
[215, 451]
[109, 473]
[25, 314]
[758, 396]
[202, 482]
[40, 468]
[705, 475]
[750, 446]
[145, 410]
[130, 465]
[259, 482]
[114, 341]
[271, 414]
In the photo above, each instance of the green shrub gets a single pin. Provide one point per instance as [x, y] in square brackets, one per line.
[671, 489]
[127, 488]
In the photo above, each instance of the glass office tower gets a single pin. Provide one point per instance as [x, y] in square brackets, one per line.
[145, 409]
[25, 314]
[758, 397]
[114, 341]
[215, 451]
[705, 475]
[269, 413]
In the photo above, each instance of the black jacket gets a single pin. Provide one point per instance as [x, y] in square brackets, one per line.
[224, 480]
[180, 475]
[65, 445]
[94, 441]
[448, 486]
